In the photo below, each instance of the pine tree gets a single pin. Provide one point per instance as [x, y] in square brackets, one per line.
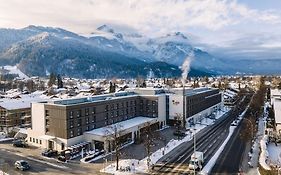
[52, 79]
[60, 83]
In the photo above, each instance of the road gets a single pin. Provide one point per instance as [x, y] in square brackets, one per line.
[229, 160]
[209, 140]
[38, 166]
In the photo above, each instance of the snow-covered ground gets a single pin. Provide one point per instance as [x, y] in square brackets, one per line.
[3, 173]
[274, 153]
[15, 70]
[263, 160]
[140, 166]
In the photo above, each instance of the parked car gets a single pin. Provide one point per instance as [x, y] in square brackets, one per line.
[20, 143]
[22, 165]
[179, 133]
[62, 158]
[49, 153]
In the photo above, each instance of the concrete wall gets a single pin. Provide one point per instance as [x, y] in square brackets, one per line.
[162, 109]
[38, 118]
[175, 106]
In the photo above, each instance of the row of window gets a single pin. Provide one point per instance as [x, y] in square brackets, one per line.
[33, 140]
[79, 130]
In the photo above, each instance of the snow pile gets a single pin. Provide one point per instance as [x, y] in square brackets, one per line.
[274, 153]
[264, 153]
[207, 168]
[6, 139]
[126, 167]
[3, 173]
[2, 135]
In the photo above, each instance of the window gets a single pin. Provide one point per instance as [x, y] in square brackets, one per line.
[87, 128]
[47, 113]
[71, 133]
[94, 110]
[87, 120]
[36, 140]
[127, 104]
[79, 113]
[40, 141]
[71, 114]
[30, 139]
[94, 119]
[33, 140]
[106, 116]
[79, 122]
[87, 111]
[71, 123]
[93, 126]
[106, 108]
[79, 131]
[117, 106]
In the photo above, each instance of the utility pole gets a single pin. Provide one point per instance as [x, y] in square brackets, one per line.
[184, 107]
[194, 136]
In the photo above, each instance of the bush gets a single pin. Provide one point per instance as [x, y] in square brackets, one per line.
[267, 172]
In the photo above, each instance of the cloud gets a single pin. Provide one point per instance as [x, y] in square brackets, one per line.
[224, 27]
[148, 16]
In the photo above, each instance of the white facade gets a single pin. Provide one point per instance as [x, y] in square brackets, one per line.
[175, 106]
[277, 114]
[274, 93]
[162, 110]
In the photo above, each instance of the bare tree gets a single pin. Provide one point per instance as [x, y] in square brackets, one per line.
[149, 136]
[113, 134]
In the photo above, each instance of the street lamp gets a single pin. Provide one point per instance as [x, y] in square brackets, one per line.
[194, 146]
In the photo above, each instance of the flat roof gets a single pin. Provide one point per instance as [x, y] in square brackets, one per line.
[124, 125]
[20, 103]
[190, 91]
[95, 98]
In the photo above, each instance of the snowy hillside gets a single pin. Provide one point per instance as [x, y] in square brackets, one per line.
[15, 70]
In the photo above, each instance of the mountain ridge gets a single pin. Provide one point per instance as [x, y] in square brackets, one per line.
[38, 50]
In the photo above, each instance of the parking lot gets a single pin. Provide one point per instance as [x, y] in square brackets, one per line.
[40, 164]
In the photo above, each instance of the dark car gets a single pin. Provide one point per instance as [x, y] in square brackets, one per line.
[50, 153]
[179, 133]
[19, 143]
[22, 165]
[62, 158]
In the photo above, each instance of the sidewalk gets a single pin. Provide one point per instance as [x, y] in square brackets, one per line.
[249, 165]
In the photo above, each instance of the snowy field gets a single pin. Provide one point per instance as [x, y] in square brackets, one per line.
[132, 166]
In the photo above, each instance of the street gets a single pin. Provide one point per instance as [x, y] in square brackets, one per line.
[208, 141]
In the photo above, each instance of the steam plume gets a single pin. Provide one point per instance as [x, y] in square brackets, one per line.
[186, 66]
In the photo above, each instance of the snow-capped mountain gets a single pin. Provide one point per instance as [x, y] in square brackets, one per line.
[105, 53]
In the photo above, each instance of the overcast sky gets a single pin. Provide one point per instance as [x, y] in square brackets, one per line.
[228, 28]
